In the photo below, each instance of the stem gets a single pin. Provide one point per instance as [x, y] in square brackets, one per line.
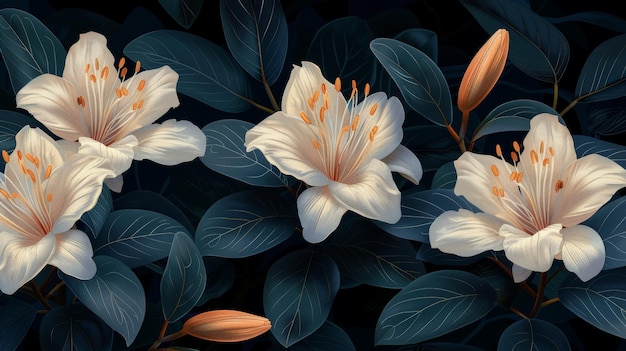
[518, 312]
[555, 96]
[569, 107]
[54, 290]
[464, 121]
[456, 137]
[40, 296]
[550, 302]
[268, 90]
[506, 269]
[160, 339]
[539, 297]
[259, 106]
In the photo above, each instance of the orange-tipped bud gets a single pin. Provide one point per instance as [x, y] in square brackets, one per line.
[226, 326]
[484, 71]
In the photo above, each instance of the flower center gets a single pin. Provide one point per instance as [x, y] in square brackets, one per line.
[109, 103]
[343, 140]
[25, 207]
[527, 192]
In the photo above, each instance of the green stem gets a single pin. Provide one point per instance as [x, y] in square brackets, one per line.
[555, 95]
[259, 106]
[268, 90]
[569, 107]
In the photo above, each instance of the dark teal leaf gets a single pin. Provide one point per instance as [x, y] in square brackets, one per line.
[586, 145]
[246, 223]
[419, 210]
[256, 35]
[184, 12]
[600, 302]
[433, 145]
[150, 329]
[425, 40]
[114, 294]
[367, 254]
[28, 47]
[220, 274]
[92, 221]
[536, 47]
[511, 116]
[609, 223]
[597, 18]
[152, 201]
[74, 327]
[433, 305]
[448, 346]
[603, 76]
[328, 337]
[418, 77]
[340, 48]
[226, 154]
[298, 294]
[136, 237]
[606, 117]
[206, 71]
[16, 317]
[184, 278]
[445, 177]
[533, 334]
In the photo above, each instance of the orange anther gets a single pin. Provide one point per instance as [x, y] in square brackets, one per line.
[546, 161]
[97, 64]
[513, 176]
[373, 132]
[322, 109]
[142, 84]
[366, 91]
[498, 150]
[49, 197]
[533, 156]
[516, 147]
[137, 66]
[355, 122]
[373, 109]
[5, 156]
[337, 84]
[121, 62]
[495, 171]
[105, 73]
[316, 145]
[514, 157]
[520, 175]
[48, 171]
[494, 190]
[305, 118]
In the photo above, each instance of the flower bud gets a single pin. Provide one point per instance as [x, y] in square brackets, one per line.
[484, 71]
[226, 326]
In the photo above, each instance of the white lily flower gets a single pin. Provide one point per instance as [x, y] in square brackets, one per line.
[42, 195]
[98, 111]
[532, 208]
[343, 149]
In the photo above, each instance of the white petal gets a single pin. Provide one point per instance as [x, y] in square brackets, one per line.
[120, 154]
[91, 46]
[68, 147]
[287, 143]
[115, 184]
[404, 161]
[170, 143]
[534, 252]
[371, 193]
[588, 183]
[320, 214]
[465, 233]
[583, 251]
[52, 101]
[22, 259]
[519, 273]
[74, 255]
[387, 118]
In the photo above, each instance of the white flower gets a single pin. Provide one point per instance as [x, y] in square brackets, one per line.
[99, 114]
[345, 151]
[41, 197]
[533, 207]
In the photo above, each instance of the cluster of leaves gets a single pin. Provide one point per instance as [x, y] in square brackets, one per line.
[187, 238]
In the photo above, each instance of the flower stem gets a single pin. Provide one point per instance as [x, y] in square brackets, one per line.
[268, 90]
[550, 302]
[456, 137]
[538, 299]
[40, 296]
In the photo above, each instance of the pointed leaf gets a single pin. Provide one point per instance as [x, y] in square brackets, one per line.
[536, 47]
[586, 145]
[114, 294]
[600, 302]
[609, 223]
[419, 210]
[184, 12]
[136, 237]
[220, 274]
[328, 336]
[298, 294]
[226, 154]
[256, 35]
[152, 201]
[603, 76]
[245, 223]
[184, 278]
[606, 117]
[445, 177]
[433, 305]
[74, 327]
[92, 221]
[533, 334]
[418, 77]
[597, 18]
[28, 47]
[16, 317]
[206, 72]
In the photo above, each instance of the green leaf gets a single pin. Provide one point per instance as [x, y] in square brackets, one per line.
[340, 48]
[586, 145]
[609, 223]
[606, 117]
[184, 12]
[92, 221]
[246, 223]
[433, 305]
[600, 302]
[298, 294]
[74, 327]
[445, 177]
[28, 47]
[533, 334]
[367, 254]
[226, 154]
[328, 336]
[152, 201]
[184, 278]
[220, 274]
[603, 76]
[256, 35]
[206, 72]
[418, 77]
[136, 237]
[536, 47]
[16, 317]
[114, 294]
[419, 210]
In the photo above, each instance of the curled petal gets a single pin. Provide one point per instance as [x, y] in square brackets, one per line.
[22, 258]
[319, 212]
[404, 161]
[170, 143]
[465, 233]
[519, 273]
[119, 154]
[583, 251]
[226, 326]
[74, 255]
[534, 252]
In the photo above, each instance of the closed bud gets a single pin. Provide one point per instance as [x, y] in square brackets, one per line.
[226, 326]
[484, 71]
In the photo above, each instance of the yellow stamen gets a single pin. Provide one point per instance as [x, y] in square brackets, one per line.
[323, 88]
[118, 92]
[514, 157]
[516, 147]
[105, 73]
[558, 186]
[322, 109]
[519, 177]
[124, 91]
[140, 104]
[495, 171]
[5, 156]
[316, 95]
[97, 64]
[316, 145]
[541, 147]
[31, 175]
[310, 103]
[123, 72]
[92, 78]
[19, 155]
[49, 197]
[494, 190]
[513, 176]
[551, 151]
[87, 68]
[30, 157]
[501, 192]
[81, 101]
[305, 118]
